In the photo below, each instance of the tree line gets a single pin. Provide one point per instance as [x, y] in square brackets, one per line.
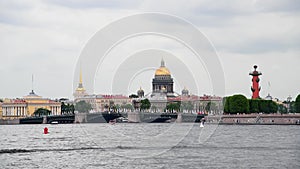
[240, 104]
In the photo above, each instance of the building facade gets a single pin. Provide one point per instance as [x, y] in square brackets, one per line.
[101, 102]
[26, 106]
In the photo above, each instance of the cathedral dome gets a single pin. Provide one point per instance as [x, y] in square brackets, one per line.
[185, 92]
[162, 70]
[140, 92]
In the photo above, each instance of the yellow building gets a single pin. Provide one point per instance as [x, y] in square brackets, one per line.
[0, 109]
[25, 107]
[105, 101]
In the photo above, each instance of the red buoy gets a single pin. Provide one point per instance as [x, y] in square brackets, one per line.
[45, 130]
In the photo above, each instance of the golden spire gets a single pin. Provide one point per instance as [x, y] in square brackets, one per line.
[80, 76]
[80, 86]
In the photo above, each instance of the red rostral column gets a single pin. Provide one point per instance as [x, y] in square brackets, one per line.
[255, 83]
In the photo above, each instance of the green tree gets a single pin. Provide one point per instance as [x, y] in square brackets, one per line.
[254, 105]
[72, 108]
[211, 106]
[66, 109]
[187, 106]
[297, 104]
[238, 104]
[42, 112]
[292, 107]
[282, 109]
[273, 106]
[117, 108]
[173, 107]
[268, 106]
[83, 107]
[145, 104]
[63, 108]
[127, 107]
[264, 107]
[226, 101]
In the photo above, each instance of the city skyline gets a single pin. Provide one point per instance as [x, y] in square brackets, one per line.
[46, 39]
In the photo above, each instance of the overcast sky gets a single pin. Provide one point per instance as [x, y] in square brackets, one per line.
[45, 38]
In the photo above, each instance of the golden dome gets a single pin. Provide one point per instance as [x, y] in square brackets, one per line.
[162, 70]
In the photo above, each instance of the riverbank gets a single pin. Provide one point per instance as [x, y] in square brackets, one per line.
[256, 119]
[240, 119]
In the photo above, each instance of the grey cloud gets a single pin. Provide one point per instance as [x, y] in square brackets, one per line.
[95, 3]
[278, 5]
[45, 38]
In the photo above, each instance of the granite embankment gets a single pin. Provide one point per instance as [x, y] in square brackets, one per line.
[256, 119]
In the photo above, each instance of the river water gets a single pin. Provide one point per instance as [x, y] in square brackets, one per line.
[163, 145]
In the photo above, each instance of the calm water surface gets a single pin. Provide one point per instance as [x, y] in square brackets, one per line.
[166, 145]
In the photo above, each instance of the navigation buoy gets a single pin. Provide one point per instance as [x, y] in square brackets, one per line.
[45, 130]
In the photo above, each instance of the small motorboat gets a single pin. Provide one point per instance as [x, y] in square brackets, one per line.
[201, 124]
[54, 122]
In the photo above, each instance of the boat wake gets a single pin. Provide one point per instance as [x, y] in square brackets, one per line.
[13, 151]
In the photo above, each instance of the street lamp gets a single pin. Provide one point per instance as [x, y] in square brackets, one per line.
[289, 103]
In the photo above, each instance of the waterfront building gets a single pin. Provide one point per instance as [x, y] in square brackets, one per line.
[91, 99]
[108, 102]
[162, 94]
[26, 106]
[205, 104]
[100, 102]
[158, 101]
